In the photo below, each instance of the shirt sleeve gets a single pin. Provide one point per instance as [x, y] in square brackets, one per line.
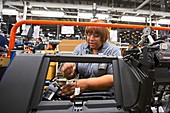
[115, 52]
[77, 49]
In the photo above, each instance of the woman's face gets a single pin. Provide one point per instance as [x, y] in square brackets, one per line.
[94, 41]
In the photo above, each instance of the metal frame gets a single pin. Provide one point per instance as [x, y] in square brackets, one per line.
[49, 22]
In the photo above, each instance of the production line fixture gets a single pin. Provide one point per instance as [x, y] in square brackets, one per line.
[137, 77]
[50, 22]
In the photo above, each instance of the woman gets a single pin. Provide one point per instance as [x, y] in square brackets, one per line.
[92, 76]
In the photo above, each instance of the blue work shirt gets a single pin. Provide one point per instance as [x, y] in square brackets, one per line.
[168, 50]
[87, 70]
[3, 41]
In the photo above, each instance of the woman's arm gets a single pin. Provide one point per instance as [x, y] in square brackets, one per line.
[102, 83]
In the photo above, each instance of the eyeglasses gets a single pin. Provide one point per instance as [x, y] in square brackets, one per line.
[94, 35]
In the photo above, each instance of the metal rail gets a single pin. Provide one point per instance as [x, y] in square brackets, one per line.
[61, 57]
[51, 22]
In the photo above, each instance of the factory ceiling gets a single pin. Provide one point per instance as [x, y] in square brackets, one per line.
[114, 9]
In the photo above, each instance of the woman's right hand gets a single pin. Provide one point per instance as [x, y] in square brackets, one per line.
[68, 70]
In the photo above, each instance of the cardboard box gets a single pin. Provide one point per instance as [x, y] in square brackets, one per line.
[49, 51]
[68, 45]
[4, 61]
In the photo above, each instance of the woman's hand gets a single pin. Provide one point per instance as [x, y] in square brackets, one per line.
[68, 70]
[69, 89]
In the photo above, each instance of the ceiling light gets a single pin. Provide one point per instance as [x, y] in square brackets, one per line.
[133, 19]
[164, 21]
[9, 12]
[47, 13]
[90, 15]
[85, 15]
[102, 16]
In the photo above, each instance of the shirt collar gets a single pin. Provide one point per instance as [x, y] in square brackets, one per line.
[104, 46]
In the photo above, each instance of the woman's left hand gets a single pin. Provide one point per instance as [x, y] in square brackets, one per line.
[69, 89]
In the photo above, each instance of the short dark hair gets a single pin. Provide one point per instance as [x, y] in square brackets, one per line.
[40, 39]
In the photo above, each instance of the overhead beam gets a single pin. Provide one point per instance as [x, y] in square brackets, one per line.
[14, 7]
[89, 7]
[142, 4]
